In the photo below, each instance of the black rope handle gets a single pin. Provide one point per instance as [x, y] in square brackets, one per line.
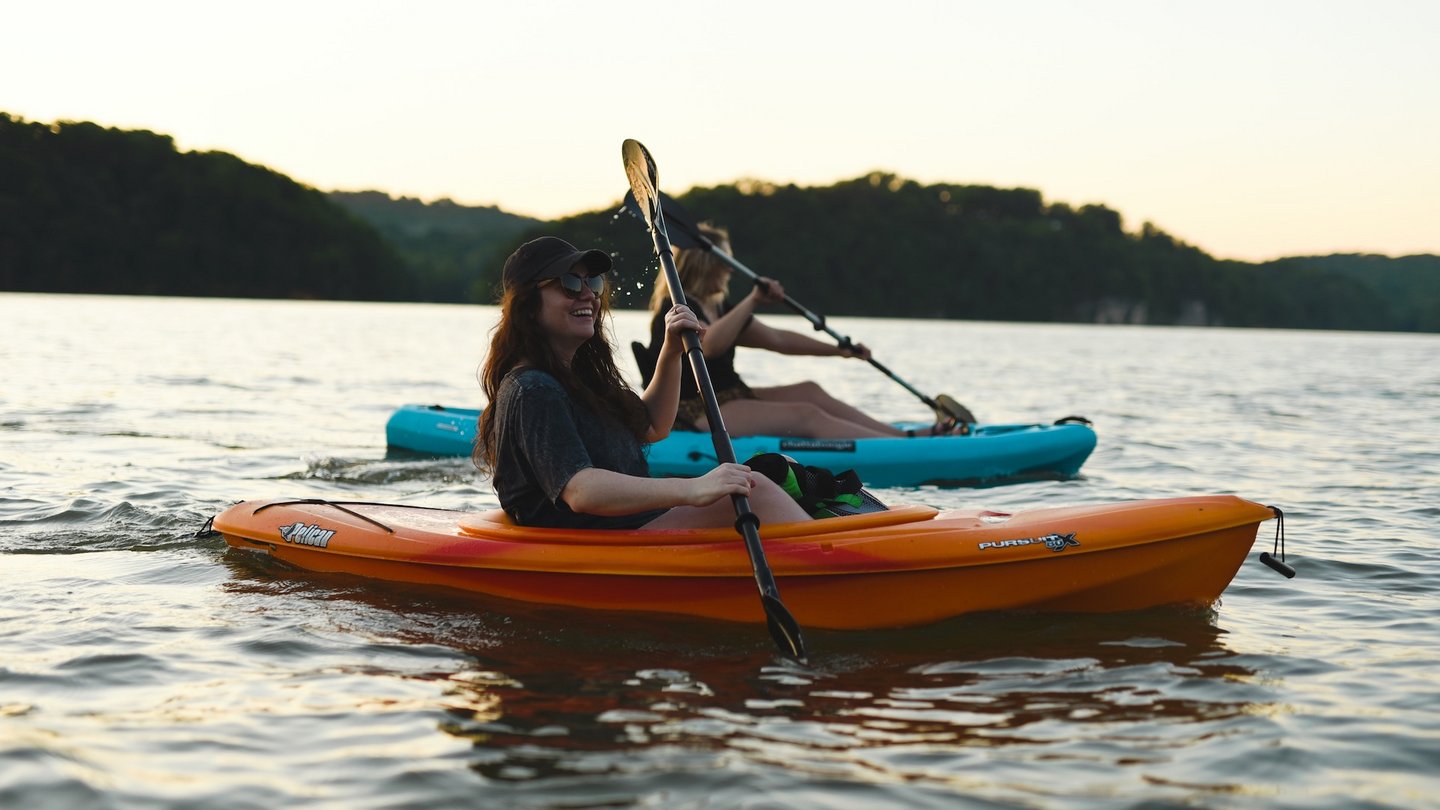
[1266, 557]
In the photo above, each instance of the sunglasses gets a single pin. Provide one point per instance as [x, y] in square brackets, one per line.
[573, 284]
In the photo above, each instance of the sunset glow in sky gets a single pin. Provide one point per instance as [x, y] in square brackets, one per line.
[1251, 129]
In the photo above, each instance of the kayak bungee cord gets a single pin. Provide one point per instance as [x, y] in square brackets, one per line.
[208, 528]
[339, 505]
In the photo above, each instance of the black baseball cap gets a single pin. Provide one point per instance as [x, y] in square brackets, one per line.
[550, 257]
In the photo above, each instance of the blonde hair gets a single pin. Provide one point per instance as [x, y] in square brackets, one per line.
[703, 275]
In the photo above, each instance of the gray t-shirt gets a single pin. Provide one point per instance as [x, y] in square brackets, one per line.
[544, 437]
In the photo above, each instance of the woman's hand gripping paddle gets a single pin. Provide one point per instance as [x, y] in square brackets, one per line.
[644, 188]
[687, 235]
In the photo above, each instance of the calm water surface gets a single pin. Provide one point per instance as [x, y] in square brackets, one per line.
[141, 667]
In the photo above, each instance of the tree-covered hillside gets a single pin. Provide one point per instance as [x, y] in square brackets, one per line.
[441, 242]
[89, 209]
[1410, 285]
[881, 245]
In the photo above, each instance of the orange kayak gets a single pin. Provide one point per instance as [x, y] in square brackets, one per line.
[906, 566]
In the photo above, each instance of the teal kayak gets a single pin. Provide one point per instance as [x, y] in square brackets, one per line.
[990, 454]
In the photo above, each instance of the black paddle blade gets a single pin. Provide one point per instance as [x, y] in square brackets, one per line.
[679, 226]
[644, 179]
[783, 627]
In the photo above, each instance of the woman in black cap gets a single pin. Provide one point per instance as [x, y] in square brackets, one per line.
[563, 436]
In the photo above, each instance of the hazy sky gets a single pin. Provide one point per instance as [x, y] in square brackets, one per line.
[1253, 129]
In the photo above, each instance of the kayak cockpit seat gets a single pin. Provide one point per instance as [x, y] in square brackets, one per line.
[496, 525]
[644, 361]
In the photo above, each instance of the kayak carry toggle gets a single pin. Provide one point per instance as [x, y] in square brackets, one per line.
[1279, 565]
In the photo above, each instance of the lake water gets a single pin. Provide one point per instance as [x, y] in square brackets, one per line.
[141, 667]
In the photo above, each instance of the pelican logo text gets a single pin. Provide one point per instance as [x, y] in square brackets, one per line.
[303, 535]
[1054, 542]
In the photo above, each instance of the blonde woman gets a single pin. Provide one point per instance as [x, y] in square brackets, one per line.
[802, 409]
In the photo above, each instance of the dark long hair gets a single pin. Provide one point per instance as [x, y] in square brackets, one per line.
[592, 377]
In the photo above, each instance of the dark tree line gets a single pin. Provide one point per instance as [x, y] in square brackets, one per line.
[1409, 285]
[884, 246]
[89, 209]
[442, 243]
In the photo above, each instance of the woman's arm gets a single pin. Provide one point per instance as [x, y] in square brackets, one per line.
[725, 331]
[760, 336]
[745, 330]
[594, 491]
[662, 395]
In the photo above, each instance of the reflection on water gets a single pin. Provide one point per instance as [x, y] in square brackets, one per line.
[895, 706]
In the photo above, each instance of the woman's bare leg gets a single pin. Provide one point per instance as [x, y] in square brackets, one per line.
[812, 393]
[754, 417]
[768, 501]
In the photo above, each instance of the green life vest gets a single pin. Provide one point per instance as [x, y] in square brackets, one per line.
[819, 492]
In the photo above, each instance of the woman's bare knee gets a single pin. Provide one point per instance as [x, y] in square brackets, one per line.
[774, 505]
